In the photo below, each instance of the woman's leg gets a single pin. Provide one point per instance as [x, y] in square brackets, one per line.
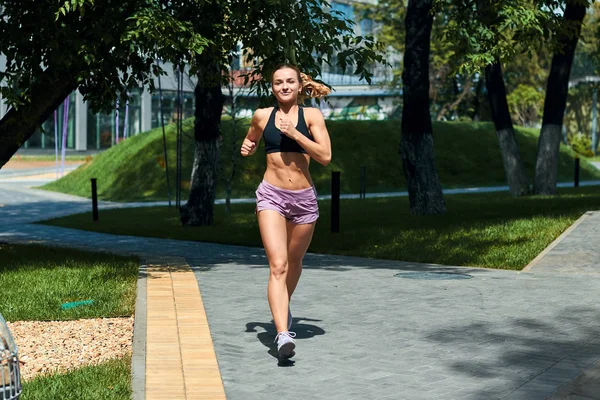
[298, 238]
[274, 237]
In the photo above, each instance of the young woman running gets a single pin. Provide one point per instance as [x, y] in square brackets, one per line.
[286, 200]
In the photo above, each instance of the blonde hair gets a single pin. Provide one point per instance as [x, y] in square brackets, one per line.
[310, 88]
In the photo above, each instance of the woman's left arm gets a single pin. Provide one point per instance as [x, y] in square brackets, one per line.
[320, 148]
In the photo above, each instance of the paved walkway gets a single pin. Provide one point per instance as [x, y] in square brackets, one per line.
[363, 331]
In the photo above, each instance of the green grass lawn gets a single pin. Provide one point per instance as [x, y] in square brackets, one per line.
[467, 154]
[106, 381]
[487, 230]
[37, 280]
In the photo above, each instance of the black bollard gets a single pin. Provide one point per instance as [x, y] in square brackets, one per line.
[576, 171]
[363, 184]
[94, 200]
[335, 201]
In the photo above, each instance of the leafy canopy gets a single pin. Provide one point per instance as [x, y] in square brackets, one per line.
[484, 31]
[107, 47]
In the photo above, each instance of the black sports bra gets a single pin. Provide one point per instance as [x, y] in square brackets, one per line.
[276, 142]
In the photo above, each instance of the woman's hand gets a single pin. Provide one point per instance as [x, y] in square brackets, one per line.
[248, 148]
[287, 128]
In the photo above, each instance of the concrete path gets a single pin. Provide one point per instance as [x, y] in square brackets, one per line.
[364, 332]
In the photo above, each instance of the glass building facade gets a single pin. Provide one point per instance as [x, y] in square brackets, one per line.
[169, 107]
[44, 138]
[106, 130]
[88, 131]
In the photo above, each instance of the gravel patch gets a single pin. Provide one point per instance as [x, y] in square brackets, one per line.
[47, 347]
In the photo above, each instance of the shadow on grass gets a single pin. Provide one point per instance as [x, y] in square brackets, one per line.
[478, 230]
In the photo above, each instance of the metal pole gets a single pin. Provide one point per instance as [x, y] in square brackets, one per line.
[177, 177]
[179, 133]
[576, 178]
[117, 122]
[595, 121]
[94, 200]
[56, 141]
[363, 184]
[162, 123]
[180, 122]
[335, 201]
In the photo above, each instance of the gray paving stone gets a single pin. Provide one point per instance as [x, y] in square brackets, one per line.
[363, 333]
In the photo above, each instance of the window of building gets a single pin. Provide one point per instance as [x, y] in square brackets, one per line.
[43, 138]
[366, 26]
[102, 129]
[169, 107]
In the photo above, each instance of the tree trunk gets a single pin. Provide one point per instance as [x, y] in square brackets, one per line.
[20, 124]
[513, 166]
[207, 132]
[416, 144]
[546, 166]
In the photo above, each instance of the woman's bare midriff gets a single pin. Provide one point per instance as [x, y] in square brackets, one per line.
[288, 171]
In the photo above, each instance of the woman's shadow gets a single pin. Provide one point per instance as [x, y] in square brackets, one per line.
[267, 337]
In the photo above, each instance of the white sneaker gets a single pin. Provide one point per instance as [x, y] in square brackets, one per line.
[285, 344]
[289, 319]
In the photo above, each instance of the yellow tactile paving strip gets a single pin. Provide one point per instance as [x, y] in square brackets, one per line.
[180, 358]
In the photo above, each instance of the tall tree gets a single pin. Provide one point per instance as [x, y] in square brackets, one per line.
[546, 166]
[450, 93]
[102, 48]
[515, 27]
[303, 33]
[209, 20]
[509, 149]
[416, 143]
[511, 159]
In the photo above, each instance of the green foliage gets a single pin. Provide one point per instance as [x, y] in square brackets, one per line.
[503, 29]
[106, 47]
[110, 380]
[451, 94]
[581, 144]
[588, 45]
[466, 155]
[37, 280]
[388, 17]
[304, 33]
[488, 230]
[526, 104]
[578, 116]
[73, 5]
[528, 69]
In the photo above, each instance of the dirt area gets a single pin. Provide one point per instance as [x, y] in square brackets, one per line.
[58, 346]
[29, 164]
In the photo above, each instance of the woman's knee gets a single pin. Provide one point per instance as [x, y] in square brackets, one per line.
[279, 268]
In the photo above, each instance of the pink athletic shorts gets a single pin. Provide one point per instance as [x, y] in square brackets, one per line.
[298, 206]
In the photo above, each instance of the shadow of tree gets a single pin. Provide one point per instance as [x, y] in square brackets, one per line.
[541, 358]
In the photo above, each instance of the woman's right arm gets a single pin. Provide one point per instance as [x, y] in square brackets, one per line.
[255, 132]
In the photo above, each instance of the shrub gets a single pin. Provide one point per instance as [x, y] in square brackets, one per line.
[581, 144]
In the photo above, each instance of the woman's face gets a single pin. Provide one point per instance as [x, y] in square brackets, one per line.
[286, 85]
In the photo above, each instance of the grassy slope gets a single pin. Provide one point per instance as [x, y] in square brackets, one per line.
[466, 155]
